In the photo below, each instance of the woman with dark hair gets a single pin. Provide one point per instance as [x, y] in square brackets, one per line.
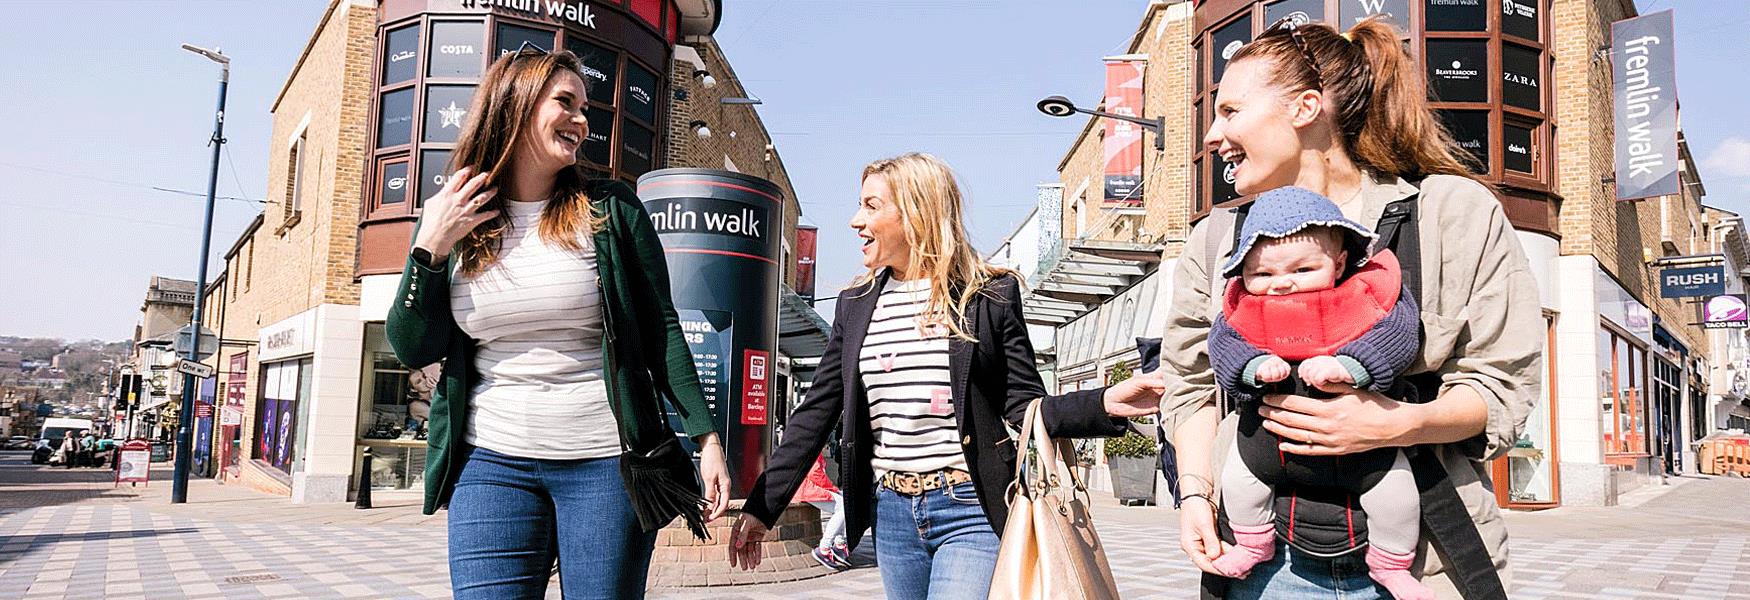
[1346, 115]
[928, 364]
[546, 295]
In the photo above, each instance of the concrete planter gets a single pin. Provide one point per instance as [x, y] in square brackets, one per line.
[1133, 479]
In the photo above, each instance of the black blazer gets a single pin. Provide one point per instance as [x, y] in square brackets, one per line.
[992, 380]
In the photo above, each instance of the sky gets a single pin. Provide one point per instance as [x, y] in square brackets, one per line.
[100, 106]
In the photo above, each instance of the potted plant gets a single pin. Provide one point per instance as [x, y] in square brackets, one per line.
[1133, 457]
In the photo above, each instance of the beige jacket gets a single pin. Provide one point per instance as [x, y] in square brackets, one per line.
[1481, 317]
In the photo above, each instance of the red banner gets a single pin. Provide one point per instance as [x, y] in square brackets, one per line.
[1123, 169]
[805, 239]
[755, 373]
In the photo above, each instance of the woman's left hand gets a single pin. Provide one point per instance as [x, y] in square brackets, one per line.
[714, 471]
[1138, 396]
[1354, 421]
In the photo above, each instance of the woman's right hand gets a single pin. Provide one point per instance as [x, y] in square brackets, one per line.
[745, 550]
[1197, 535]
[453, 212]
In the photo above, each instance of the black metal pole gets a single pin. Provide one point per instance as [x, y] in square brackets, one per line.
[185, 418]
[364, 496]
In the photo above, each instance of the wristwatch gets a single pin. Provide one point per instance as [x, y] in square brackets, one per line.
[424, 258]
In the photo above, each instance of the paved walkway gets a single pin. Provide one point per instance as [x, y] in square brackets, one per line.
[70, 534]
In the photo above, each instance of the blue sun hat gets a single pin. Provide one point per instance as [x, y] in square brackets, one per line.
[1285, 211]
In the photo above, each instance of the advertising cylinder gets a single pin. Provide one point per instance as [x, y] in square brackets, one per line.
[723, 235]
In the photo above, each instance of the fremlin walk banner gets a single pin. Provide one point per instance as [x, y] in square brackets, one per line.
[1123, 168]
[1644, 62]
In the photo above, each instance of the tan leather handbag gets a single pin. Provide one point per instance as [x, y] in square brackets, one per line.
[1050, 550]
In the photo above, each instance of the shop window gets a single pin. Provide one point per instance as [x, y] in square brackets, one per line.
[1518, 154]
[1299, 12]
[1456, 15]
[1623, 379]
[1353, 11]
[640, 99]
[1470, 130]
[1227, 41]
[600, 69]
[512, 37]
[596, 147]
[395, 405]
[401, 55]
[1520, 18]
[395, 119]
[446, 110]
[1530, 463]
[456, 49]
[392, 184]
[1521, 76]
[285, 386]
[637, 145]
[434, 170]
[1458, 70]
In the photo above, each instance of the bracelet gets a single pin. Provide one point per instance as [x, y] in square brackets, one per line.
[1206, 496]
[1207, 484]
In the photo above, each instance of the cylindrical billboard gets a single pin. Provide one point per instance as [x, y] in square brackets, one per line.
[722, 233]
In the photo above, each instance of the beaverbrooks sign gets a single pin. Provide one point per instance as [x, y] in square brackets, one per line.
[1645, 92]
[576, 12]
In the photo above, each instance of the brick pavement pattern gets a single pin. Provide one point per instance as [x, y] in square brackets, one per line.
[69, 534]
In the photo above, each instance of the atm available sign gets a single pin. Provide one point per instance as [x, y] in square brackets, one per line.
[1690, 282]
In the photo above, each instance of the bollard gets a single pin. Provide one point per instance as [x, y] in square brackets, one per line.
[364, 495]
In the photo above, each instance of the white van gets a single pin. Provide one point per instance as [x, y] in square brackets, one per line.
[50, 439]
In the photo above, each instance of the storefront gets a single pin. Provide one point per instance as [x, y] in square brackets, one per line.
[432, 53]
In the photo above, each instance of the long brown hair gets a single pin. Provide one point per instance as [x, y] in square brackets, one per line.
[1380, 94]
[929, 203]
[507, 98]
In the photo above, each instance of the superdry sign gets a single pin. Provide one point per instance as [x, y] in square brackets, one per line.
[1691, 282]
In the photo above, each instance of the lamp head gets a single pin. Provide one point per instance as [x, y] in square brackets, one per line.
[1057, 106]
[212, 55]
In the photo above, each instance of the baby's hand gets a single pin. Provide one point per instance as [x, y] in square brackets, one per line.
[1320, 371]
[1273, 369]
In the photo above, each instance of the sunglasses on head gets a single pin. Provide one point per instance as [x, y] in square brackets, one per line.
[1294, 36]
[528, 49]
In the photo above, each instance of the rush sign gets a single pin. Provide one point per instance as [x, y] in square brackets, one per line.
[1690, 282]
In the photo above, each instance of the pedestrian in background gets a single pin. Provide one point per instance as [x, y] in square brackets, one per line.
[546, 295]
[69, 450]
[1346, 115]
[928, 364]
[87, 449]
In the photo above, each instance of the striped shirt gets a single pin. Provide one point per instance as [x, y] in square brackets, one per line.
[905, 375]
[536, 319]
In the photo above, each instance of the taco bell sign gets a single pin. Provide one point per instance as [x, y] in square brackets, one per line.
[1725, 312]
[1645, 94]
[1692, 282]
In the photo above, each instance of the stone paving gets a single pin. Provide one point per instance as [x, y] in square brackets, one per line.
[70, 534]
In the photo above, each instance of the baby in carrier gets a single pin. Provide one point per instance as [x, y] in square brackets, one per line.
[1307, 300]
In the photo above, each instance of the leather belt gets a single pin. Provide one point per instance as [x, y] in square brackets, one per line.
[914, 484]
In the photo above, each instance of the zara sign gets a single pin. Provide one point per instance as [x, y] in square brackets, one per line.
[1692, 282]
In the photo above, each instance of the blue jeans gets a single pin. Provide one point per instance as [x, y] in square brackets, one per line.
[510, 517]
[938, 545]
[1292, 574]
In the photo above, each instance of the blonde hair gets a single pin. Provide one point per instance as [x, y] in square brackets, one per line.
[508, 96]
[929, 203]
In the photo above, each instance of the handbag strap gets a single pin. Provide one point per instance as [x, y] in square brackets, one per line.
[1036, 472]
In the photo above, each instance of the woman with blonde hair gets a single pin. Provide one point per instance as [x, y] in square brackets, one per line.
[546, 296]
[928, 362]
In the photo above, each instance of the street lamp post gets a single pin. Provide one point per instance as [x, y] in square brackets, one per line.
[185, 418]
[1059, 106]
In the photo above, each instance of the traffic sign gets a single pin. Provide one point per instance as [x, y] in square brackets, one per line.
[193, 368]
[209, 344]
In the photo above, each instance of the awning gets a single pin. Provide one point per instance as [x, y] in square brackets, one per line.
[1085, 275]
[802, 334]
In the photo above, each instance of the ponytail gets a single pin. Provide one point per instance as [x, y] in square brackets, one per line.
[1379, 93]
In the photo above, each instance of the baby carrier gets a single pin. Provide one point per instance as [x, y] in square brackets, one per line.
[1327, 520]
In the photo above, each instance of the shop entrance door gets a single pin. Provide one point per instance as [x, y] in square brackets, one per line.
[1666, 394]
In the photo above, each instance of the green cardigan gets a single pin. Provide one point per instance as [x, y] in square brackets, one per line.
[647, 355]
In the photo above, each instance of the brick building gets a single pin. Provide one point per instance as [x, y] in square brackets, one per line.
[359, 142]
[1529, 99]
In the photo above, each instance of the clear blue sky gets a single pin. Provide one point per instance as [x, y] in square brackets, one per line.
[98, 105]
